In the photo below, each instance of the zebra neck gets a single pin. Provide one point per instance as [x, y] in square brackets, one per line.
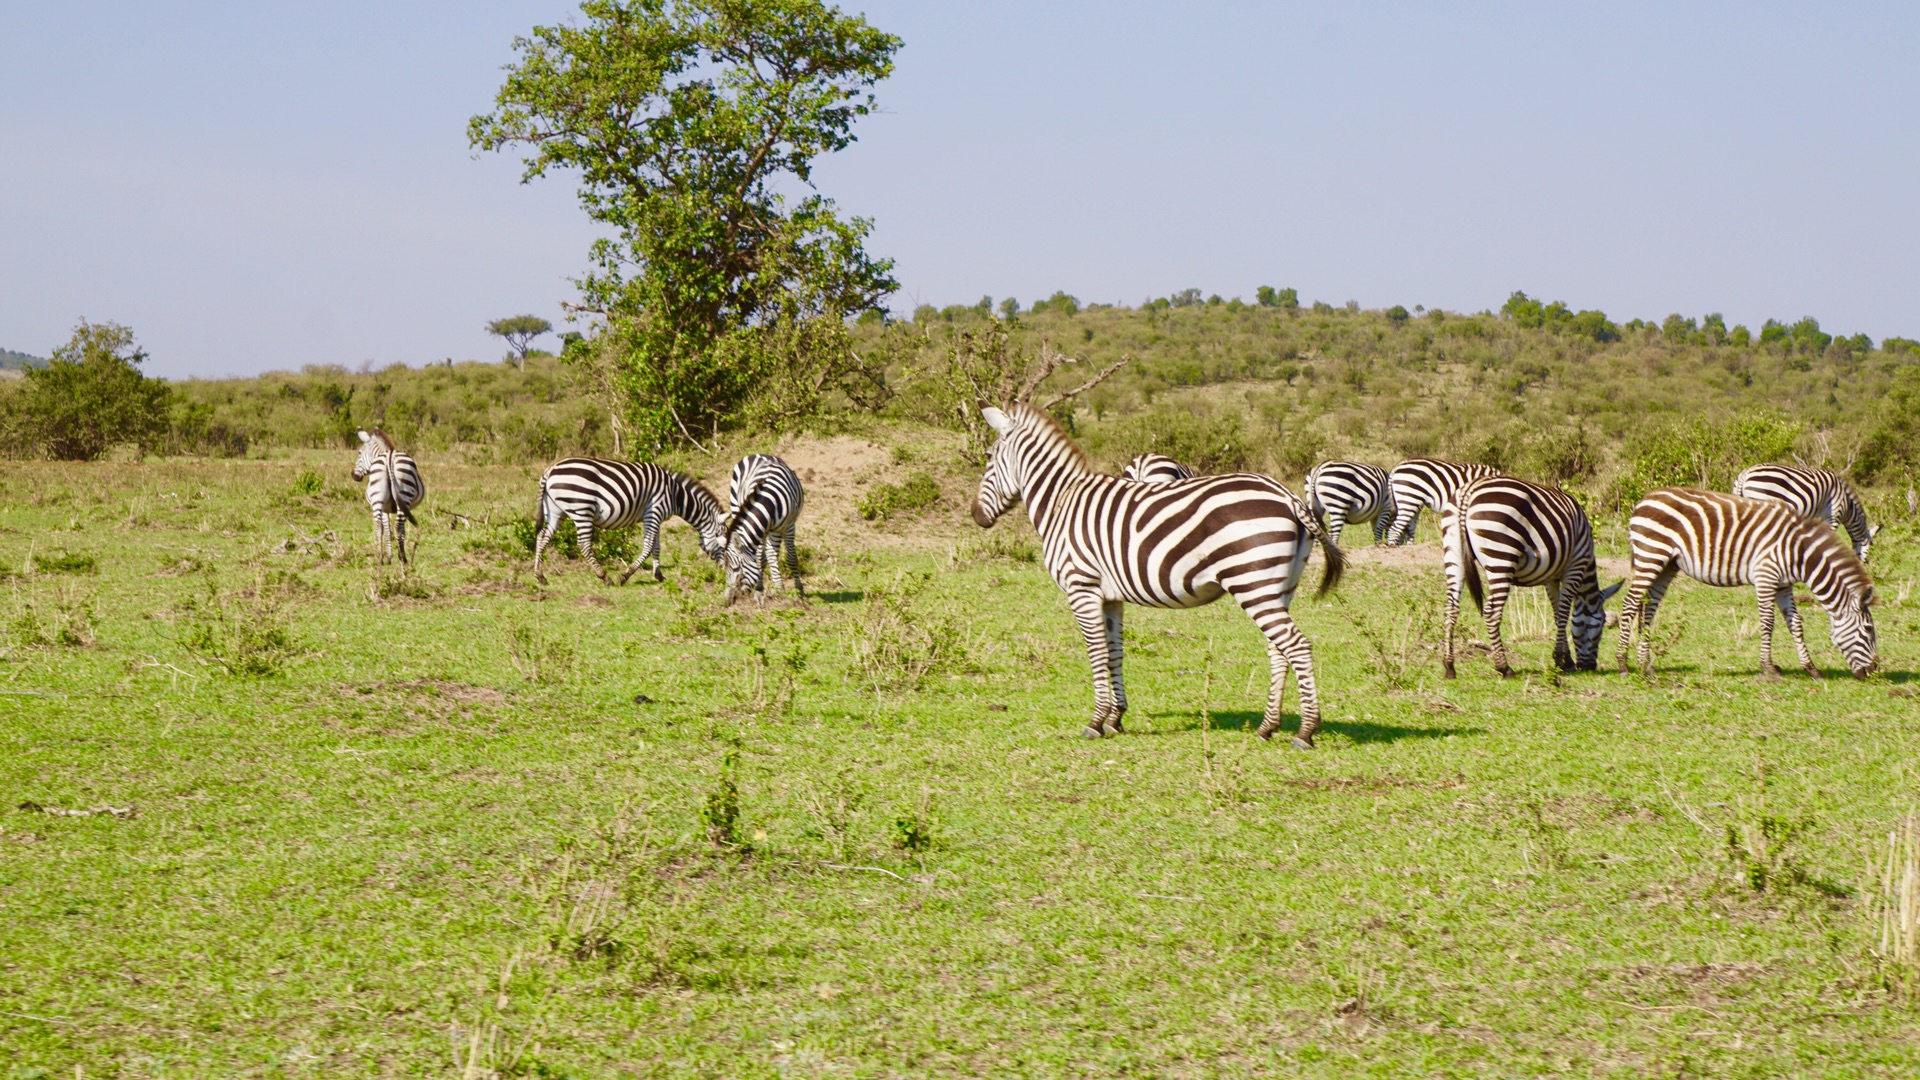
[1045, 477]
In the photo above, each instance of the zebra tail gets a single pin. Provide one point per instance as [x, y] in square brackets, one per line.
[1336, 560]
[1468, 567]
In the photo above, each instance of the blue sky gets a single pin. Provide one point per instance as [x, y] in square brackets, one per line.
[264, 186]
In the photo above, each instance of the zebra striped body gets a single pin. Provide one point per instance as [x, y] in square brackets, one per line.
[1426, 483]
[1814, 493]
[1108, 541]
[1523, 534]
[765, 498]
[1155, 469]
[595, 493]
[1726, 540]
[394, 488]
[1342, 492]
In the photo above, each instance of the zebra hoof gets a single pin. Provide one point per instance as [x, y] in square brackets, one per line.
[1770, 674]
[658, 575]
[1092, 731]
[1447, 672]
[1813, 671]
[1302, 744]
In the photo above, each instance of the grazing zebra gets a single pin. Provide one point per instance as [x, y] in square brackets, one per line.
[394, 488]
[1726, 540]
[1108, 541]
[599, 494]
[765, 499]
[1155, 469]
[1426, 483]
[1815, 493]
[1342, 492]
[1524, 535]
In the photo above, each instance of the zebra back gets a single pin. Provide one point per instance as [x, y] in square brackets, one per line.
[1427, 483]
[763, 493]
[1810, 492]
[394, 484]
[1155, 469]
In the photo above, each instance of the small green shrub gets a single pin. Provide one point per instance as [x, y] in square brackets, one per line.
[247, 635]
[66, 562]
[308, 483]
[920, 492]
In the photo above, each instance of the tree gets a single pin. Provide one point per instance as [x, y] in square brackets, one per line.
[90, 397]
[685, 119]
[519, 331]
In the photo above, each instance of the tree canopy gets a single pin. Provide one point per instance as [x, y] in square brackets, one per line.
[687, 121]
[90, 397]
[519, 332]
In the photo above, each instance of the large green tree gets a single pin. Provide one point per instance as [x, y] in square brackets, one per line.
[686, 120]
[90, 397]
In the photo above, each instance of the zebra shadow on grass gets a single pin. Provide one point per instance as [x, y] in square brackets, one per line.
[1360, 731]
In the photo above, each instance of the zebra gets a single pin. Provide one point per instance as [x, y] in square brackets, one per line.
[1426, 483]
[394, 488]
[1155, 469]
[1342, 492]
[596, 493]
[1727, 540]
[1108, 541]
[1524, 535]
[1814, 493]
[765, 498]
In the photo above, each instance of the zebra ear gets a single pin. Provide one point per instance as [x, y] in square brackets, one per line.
[364, 436]
[1606, 594]
[1866, 597]
[996, 419]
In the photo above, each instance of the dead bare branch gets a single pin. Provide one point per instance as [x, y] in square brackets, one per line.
[1085, 386]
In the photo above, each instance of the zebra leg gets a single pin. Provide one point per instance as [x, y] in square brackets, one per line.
[583, 532]
[540, 543]
[400, 534]
[1451, 618]
[1499, 587]
[1562, 611]
[793, 558]
[1287, 646]
[1111, 612]
[1335, 523]
[1784, 598]
[649, 545]
[380, 535]
[1649, 607]
[1088, 612]
[770, 551]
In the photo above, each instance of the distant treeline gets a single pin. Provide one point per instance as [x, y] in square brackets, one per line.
[15, 361]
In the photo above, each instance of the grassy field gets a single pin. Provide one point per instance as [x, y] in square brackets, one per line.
[361, 823]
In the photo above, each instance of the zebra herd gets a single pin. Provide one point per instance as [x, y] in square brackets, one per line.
[597, 494]
[1160, 536]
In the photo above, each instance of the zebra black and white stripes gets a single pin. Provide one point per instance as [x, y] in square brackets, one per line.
[1523, 534]
[595, 493]
[394, 488]
[1426, 483]
[1342, 492]
[1727, 540]
[764, 498]
[1108, 541]
[1809, 492]
[1155, 469]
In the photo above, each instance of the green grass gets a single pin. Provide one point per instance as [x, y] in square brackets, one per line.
[861, 836]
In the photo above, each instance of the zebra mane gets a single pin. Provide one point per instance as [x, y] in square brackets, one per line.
[1823, 542]
[1049, 432]
[379, 437]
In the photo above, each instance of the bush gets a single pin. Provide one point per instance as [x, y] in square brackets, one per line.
[882, 501]
[89, 398]
[1704, 453]
[1210, 442]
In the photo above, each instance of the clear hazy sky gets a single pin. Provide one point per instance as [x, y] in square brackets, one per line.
[256, 186]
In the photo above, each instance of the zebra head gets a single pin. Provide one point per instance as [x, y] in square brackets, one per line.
[1587, 622]
[1851, 623]
[741, 556]
[372, 445]
[1000, 484]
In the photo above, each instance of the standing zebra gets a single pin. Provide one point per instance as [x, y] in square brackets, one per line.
[1426, 483]
[1108, 541]
[1342, 492]
[394, 488]
[1814, 493]
[1155, 469]
[1524, 535]
[596, 493]
[765, 499]
[1726, 540]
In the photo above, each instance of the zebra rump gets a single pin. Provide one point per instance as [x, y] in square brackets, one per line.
[1727, 540]
[1429, 484]
[1343, 492]
[597, 494]
[1814, 493]
[394, 487]
[765, 499]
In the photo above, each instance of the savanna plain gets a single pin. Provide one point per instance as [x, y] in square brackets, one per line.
[328, 817]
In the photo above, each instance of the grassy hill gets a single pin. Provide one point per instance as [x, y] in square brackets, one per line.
[16, 361]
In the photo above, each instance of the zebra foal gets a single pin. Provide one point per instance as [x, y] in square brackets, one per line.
[1343, 492]
[1108, 541]
[1426, 483]
[394, 488]
[765, 498]
[1814, 493]
[1524, 534]
[595, 493]
[1727, 540]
